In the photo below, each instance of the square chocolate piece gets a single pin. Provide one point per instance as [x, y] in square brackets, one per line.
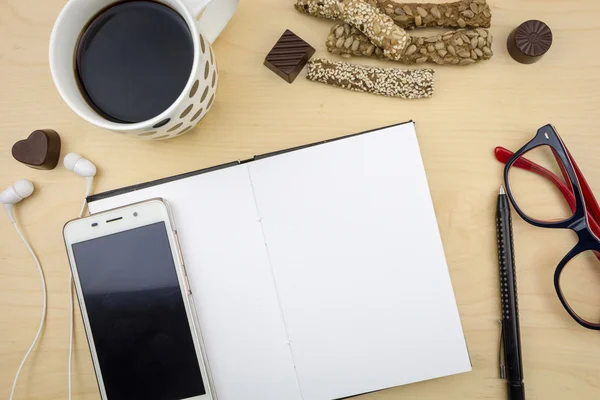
[289, 55]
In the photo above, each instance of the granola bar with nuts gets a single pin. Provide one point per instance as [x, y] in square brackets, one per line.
[392, 82]
[458, 14]
[461, 47]
[378, 27]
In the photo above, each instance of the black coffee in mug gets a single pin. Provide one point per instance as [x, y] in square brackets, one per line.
[133, 60]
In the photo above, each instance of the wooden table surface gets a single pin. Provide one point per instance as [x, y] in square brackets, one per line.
[498, 102]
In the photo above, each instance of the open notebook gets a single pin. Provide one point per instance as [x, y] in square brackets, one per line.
[318, 272]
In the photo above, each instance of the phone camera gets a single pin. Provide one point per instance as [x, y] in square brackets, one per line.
[135, 214]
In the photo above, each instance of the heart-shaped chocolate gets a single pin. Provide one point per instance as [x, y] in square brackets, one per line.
[41, 150]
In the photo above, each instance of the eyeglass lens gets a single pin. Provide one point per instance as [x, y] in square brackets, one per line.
[580, 286]
[537, 196]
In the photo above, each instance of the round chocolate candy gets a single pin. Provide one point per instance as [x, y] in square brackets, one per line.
[528, 42]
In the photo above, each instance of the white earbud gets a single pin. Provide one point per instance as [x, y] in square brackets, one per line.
[74, 162]
[82, 167]
[13, 194]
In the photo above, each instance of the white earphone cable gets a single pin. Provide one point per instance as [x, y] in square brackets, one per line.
[82, 208]
[71, 305]
[44, 308]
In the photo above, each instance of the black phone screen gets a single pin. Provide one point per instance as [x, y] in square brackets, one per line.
[137, 315]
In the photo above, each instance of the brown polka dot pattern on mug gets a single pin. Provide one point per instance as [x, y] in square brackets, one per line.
[174, 128]
[186, 111]
[202, 45]
[204, 94]
[184, 130]
[194, 88]
[162, 123]
[188, 114]
[196, 115]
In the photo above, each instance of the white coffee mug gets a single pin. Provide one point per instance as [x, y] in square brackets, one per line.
[205, 19]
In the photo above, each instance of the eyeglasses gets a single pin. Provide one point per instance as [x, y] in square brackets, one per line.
[564, 200]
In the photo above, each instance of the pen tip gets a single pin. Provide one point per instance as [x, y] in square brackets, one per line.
[502, 190]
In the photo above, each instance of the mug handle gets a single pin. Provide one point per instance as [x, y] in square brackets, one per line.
[212, 15]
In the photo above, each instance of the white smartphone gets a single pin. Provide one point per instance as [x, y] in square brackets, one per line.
[136, 305]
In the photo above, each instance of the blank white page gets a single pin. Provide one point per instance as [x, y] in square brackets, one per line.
[359, 265]
[231, 281]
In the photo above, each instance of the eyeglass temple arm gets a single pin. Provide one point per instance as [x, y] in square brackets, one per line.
[503, 155]
[590, 201]
[590, 204]
[588, 195]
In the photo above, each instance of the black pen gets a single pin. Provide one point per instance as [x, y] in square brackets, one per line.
[510, 339]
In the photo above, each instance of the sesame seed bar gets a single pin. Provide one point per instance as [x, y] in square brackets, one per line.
[391, 82]
[319, 8]
[458, 14]
[461, 47]
[378, 27]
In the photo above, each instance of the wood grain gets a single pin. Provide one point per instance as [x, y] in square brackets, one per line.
[499, 102]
